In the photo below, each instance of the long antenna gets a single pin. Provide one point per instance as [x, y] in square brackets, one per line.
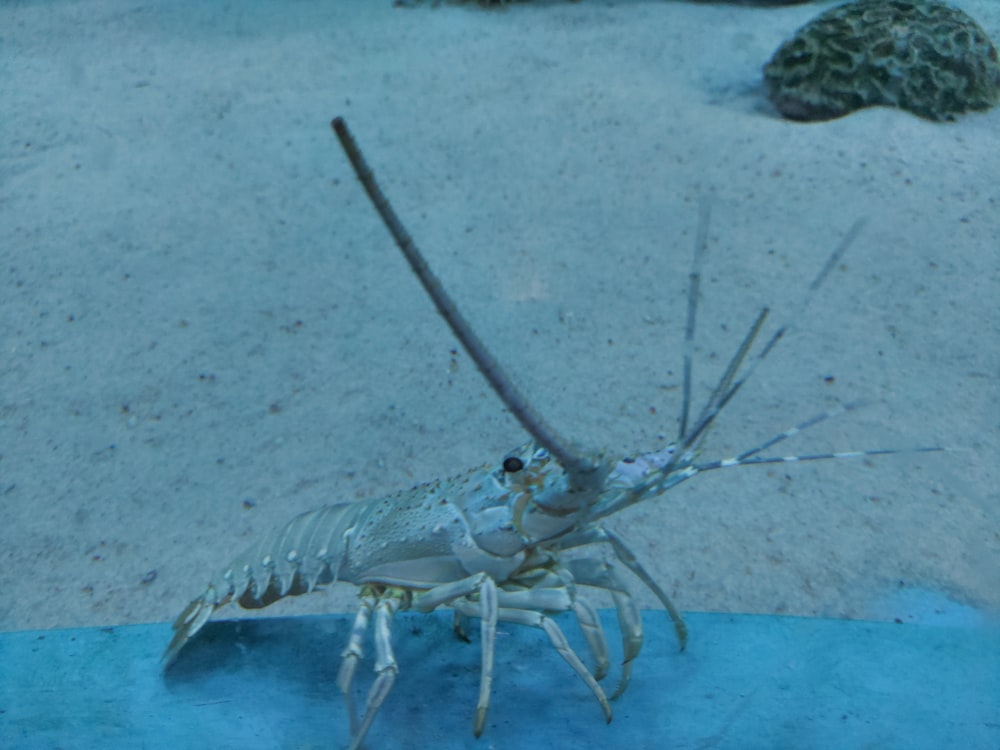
[581, 470]
[694, 283]
[728, 387]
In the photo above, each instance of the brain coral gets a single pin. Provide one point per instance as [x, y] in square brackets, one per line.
[920, 55]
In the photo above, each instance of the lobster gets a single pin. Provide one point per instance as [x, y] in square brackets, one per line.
[489, 543]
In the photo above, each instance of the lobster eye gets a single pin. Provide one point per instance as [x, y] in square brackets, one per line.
[512, 464]
[628, 460]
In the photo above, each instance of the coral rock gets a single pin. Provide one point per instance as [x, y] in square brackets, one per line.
[919, 55]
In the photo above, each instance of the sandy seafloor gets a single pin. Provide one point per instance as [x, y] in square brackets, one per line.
[204, 329]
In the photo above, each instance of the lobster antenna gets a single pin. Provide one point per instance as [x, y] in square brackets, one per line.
[694, 283]
[581, 470]
[669, 477]
[728, 463]
[717, 402]
[723, 391]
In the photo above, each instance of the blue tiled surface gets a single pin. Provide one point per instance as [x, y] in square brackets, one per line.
[744, 682]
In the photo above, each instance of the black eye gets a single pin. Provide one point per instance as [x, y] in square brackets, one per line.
[512, 464]
[628, 460]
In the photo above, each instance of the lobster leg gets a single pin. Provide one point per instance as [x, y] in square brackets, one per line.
[590, 626]
[630, 625]
[602, 575]
[595, 534]
[448, 593]
[386, 668]
[538, 620]
[630, 561]
[488, 612]
[551, 588]
[353, 652]
[527, 603]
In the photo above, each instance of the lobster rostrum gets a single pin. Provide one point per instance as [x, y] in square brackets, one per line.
[488, 543]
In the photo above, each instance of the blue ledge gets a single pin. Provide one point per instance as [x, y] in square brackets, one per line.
[744, 682]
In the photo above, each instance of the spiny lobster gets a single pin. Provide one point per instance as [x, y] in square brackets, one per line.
[489, 543]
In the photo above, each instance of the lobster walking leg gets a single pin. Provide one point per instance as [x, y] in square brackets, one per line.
[386, 668]
[385, 602]
[590, 626]
[353, 652]
[600, 574]
[536, 619]
[600, 535]
[486, 589]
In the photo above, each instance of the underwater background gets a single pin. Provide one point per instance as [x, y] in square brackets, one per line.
[205, 330]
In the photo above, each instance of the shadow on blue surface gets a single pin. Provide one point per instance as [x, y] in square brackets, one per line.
[744, 682]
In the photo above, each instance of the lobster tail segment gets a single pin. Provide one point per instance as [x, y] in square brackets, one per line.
[295, 559]
[191, 620]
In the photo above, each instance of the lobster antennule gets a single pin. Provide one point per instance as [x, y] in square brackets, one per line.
[583, 470]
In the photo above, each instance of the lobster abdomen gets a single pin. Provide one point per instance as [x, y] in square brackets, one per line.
[308, 551]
